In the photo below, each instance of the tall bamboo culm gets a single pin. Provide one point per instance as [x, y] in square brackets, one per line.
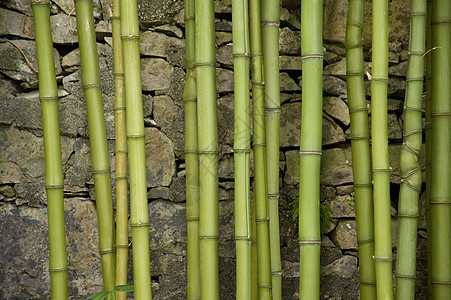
[361, 158]
[270, 21]
[379, 138]
[408, 207]
[48, 94]
[264, 278]
[90, 75]
[191, 157]
[254, 275]
[427, 134]
[208, 149]
[310, 150]
[121, 155]
[139, 210]
[240, 32]
[440, 201]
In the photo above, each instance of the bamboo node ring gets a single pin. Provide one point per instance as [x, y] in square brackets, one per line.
[368, 282]
[257, 145]
[310, 152]
[115, 18]
[276, 273]
[380, 79]
[414, 79]
[272, 109]
[441, 282]
[119, 74]
[130, 37]
[417, 131]
[120, 177]
[417, 13]
[189, 18]
[381, 170]
[308, 56]
[245, 237]
[410, 149]
[276, 196]
[410, 173]
[354, 24]
[191, 66]
[107, 251]
[270, 23]
[139, 224]
[439, 202]
[253, 55]
[382, 259]
[354, 45]
[264, 286]
[54, 186]
[89, 86]
[135, 136]
[124, 246]
[245, 150]
[441, 114]
[101, 171]
[49, 98]
[362, 185]
[440, 21]
[204, 64]
[266, 219]
[354, 73]
[208, 237]
[408, 216]
[245, 54]
[190, 99]
[415, 53]
[192, 218]
[121, 151]
[258, 83]
[309, 242]
[58, 270]
[359, 242]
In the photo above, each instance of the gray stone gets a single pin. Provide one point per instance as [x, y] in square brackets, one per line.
[331, 58]
[289, 42]
[226, 167]
[159, 45]
[292, 167]
[160, 159]
[345, 189]
[155, 74]
[177, 190]
[225, 118]
[14, 65]
[290, 4]
[290, 124]
[222, 7]
[290, 63]
[78, 171]
[332, 133]
[7, 191]
[16, 24]
[289, 19]
[287, 83]
[68, 7]
[224, 81]
[170, 30]
[158, 12]
[336, 167]
[20, 5]
[398, 69]
[64, 29]
[335, 13]
[223, 25]
[345, 235]
[223, 38]
[224, 55]
[329, 252]
[334, 86]
[103, 29]
[336, 108]
[343, 207]
[344, 267]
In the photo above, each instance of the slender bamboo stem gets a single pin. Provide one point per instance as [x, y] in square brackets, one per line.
[48, 94]
[361, 159]
[121, 156]
[408, 208]
[310, 149]
[97, 138]
[208, 149]
[427, 130]
[270, 49]
[440, 201]
[254, 254]
[379, 137]
[240, 32]
[191, 157]
[139, 211]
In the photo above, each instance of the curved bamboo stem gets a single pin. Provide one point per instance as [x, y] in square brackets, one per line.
[54, 183]
[241, 147]
[310, 149]
[379, 137]
[139, 211]
[97, 139]
[121, 156]
[361, 159]
[191, 157]
[270, 49]
[440, 201]
[208, 149]
[408, 208]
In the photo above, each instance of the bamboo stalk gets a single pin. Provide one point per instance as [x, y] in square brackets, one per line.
[270, 49]
[97, 139]
[208, 149]
[440, 194]
[427, 130]
[379, 137]
[408, 208]
[254, 254]
[54, 183]
[310, 149]
[240, 34]
[361, 159]
[121, 156]
[139, 211]
[191, 157]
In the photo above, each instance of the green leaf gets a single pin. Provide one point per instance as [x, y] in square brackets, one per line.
[124, 288]
[99, 295]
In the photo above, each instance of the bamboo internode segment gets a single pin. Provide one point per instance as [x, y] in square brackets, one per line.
[440, 192]
[310, 148]
[54, 180]
[361, 167]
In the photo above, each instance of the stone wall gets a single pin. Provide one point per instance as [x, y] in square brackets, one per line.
[23, 219]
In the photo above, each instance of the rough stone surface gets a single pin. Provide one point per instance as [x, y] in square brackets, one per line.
[160, 159]
[345, 235]
[336, 108]
[335, 13]
[224, 81]
[336, 167]
[159, 45]
[155, 74]
[289, 42]
[290, 63]
[18, 24]
[64, 29]
[343, 207]
[157, 12]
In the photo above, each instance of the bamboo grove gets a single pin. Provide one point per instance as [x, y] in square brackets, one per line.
[255, 35]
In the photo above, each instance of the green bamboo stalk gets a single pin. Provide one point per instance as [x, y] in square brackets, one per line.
[379, 137]
[240, 34]
[270, 49]
[139, 211]
[408, 208]
[427, 130]
[440, 201]
[254, 275]
[310, 149]
[361, 159]
[121, 156]
[90, 75]
[54, 183]
[208, 149]
[191, 158]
